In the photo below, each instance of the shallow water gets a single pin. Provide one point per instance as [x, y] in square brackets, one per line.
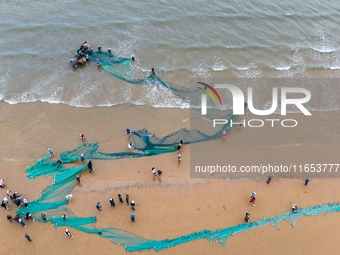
[182, 40]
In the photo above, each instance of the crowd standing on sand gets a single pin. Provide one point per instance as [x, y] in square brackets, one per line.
[17, 199]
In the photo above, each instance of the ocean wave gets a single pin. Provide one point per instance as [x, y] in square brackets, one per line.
[334, 67]
[219, 67]
[283, 68]
[325, 49]
[242, 68]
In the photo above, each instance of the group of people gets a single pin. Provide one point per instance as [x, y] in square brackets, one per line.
[179, 147]
[89, 164]
[120, 198]
[81, 58]
[131, 147]
[253, 199]
[157, 173]
[16, 197]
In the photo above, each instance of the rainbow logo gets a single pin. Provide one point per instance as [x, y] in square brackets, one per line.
[208, 92]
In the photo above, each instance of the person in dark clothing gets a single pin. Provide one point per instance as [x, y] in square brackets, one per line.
[306, 181]
[120, 198]
[9, 217]
[15, 195]
[28, 216]
[68, 233]
[17, 217]
[132, 205]
[112, 202]
[22, 223]
[294, 208]
[246, 219]
[99, 206]
[153, 170]
[28, 237]
[269, 179]
[128, 132]
[132, 217]
[3, 204]
[89, 165]
[43, 216]
[17, 201]
[127, 199]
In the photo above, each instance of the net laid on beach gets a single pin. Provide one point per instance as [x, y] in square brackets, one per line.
[53, 201]
[142, 139]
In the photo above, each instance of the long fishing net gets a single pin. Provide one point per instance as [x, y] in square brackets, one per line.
[53, 201]
[121, 68]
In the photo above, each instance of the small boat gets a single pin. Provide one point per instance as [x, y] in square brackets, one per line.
[80, 58]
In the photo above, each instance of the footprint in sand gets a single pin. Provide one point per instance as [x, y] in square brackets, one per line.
[208, 206]
[224, 207]
[198, 209]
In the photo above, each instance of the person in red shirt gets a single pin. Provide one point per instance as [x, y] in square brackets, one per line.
[78, 179]
[82, 136]
[252, 200]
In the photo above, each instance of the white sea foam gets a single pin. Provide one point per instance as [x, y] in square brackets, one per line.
[283, 68]
[242, 68]
[334, 67]
[325, 49]
[220, 67]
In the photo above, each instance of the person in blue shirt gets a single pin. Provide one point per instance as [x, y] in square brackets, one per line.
[306, 181]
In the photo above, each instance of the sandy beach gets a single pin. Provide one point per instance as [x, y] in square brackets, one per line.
[254, 45]
[175, 206]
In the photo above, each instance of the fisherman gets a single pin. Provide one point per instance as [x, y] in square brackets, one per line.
[294, 208]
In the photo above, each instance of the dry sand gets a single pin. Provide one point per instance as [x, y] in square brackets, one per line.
[176, 206]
